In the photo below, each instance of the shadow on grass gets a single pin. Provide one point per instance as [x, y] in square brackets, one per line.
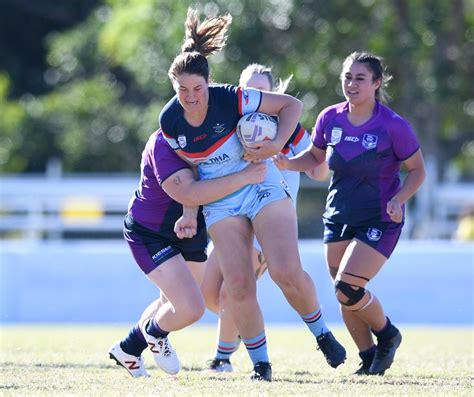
[6, 365]
[412, 380]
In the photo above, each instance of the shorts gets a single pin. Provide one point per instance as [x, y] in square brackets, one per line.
[150, 249]
[381, 236]
[249, 200]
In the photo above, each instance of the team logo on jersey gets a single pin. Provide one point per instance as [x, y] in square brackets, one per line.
[369, 141]
[182, 141]
[245, 97]
[336, 135]
[351, 139]
[219, 128]
[221, 158]
[374, 234]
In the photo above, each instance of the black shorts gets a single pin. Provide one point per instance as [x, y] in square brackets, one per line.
[381, 236]
[150, 249]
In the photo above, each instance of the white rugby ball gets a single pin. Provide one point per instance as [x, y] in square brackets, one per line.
[256, 127]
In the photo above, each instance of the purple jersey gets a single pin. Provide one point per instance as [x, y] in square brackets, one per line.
[365, 159]
[151, 206]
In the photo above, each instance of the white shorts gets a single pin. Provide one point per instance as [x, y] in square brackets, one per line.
[249, 200]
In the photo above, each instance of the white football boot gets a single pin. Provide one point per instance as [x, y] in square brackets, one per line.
[218, 365]
[163, 353]
[134, 365]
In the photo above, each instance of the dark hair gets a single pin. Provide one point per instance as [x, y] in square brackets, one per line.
[200, 40]
[257, 68]
[375, 65]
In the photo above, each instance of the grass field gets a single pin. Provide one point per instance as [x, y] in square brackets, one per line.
[73, 360]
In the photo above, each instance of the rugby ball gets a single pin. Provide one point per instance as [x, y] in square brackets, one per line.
[256, 127]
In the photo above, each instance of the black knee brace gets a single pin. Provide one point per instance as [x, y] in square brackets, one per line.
[353, 295]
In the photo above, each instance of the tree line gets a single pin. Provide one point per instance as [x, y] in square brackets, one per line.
[85, 84]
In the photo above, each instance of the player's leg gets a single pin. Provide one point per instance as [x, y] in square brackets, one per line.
[211, 288]
[134, 343]
[232, 237]
[212, 281]
[359, 265]
[276, 229]
[185, 306]
[228, 339]
[197, 269]
[357, 327]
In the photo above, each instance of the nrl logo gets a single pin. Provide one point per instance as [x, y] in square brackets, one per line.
[336, 135]
[219, 128]
[182, 141]
[374, 234]
[369, 141]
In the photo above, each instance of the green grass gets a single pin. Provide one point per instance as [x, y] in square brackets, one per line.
[73, 360]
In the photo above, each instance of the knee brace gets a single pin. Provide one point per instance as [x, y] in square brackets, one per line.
[353, 295]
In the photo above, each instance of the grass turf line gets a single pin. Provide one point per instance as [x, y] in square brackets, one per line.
[73, 360]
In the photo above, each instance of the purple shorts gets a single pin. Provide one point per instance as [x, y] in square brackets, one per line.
[381, 236]
[150, 249]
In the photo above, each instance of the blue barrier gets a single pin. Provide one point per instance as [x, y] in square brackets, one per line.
[425, 282]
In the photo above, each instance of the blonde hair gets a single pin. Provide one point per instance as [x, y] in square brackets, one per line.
[257, 68]
[201, 40]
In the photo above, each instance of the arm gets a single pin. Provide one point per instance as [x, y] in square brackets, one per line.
[307, 160]
[185, 189]
[320, 172]
[288, 109]
[186, 226]
[416, 175]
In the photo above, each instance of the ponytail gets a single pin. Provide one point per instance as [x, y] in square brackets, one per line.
[200, 40]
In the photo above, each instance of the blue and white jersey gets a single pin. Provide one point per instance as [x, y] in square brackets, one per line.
[213, 146]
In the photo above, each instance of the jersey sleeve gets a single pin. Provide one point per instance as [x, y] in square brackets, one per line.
[404, 140]
[295, 139]
[168, 124]
[317, 135]
[165, 161]
[249, 100]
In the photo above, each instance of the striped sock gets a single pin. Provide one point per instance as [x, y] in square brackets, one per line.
[134, 343]
[225, 349]
[154, 329]
[315, 323]
[257, 348]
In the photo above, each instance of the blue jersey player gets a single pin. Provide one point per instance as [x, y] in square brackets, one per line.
[260, 77]
[365, 144]
[199, 123]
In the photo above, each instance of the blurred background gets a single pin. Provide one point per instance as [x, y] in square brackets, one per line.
[82, 83]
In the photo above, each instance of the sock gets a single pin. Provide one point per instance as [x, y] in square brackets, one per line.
[367, 356]
[315, 323]
[225, 349]
[134, 343]
[154, 329]
[257, 348]
[387, 332]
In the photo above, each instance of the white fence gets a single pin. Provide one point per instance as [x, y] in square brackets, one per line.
[40, 207]
[37, 207]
